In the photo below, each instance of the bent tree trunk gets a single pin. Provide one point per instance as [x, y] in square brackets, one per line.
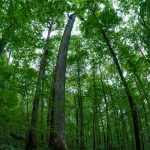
[57, 139]
[31, 142]
[128, 93]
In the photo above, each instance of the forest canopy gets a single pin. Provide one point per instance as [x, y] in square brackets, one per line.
[74, 75]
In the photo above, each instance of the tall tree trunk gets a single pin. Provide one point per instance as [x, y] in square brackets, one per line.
[128, 93]
[76, 122]
[42, 116]
[50, 102]
[124, 127]
[96, 136]
[108, 135]
[103, 132]
[115, 117]
[32, 137]
[80, 106]
[57, 133]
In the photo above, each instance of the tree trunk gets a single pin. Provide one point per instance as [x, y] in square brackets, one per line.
[80, 106]
[2, 45]
[108, 135]
[42, 118]
[115, 117]
[32, 137]
[128, 93]
[57, 133]
[76, 122]
[49, 102]
[96, 136]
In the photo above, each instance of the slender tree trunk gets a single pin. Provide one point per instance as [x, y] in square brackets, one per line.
[57, 133]
[42, 117]
[32, 135]
[124, 126]
[96, 139]
[115, 117]
[76, 122]
[80, 106]
[27, 111]
[50, 102]
[108, 135]
[108, 139]
[128, 93]
[104, 133]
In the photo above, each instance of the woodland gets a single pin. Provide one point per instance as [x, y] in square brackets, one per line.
[74, 74]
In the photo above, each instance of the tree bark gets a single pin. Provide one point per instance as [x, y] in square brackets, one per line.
[32, 135]
[108, 132]
[57, 139]
[96, 136]
[115, 117]
[50, 101]
[76, 122]
[80, 106]
[128, 93]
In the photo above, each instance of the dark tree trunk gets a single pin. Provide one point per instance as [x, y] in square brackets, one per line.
[115, 117]
[96, 136]
[108, 135]
[103, 131]
[32, 135]
[57, 133]
[123, 126]
[2, 45]
[80, 106]
[42, 117]
[76, 121]
[128, 93]
[50, 101]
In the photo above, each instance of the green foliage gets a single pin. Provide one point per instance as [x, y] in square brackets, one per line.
[106, 111]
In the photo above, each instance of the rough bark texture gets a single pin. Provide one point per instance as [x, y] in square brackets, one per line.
[128, 93]
[57, 132]
[31, 143]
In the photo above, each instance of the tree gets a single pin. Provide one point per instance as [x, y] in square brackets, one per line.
[32, 137]
[94, 96]
[57, 132]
